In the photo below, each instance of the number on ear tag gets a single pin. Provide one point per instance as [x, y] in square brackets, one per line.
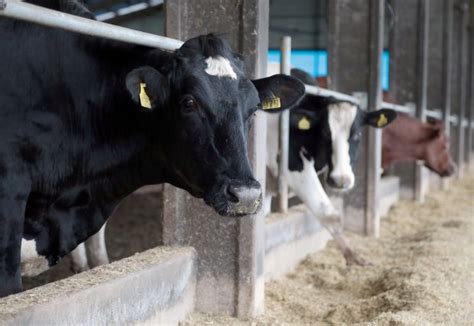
[144, 99]
[273, 103]
[382, 121]
[304, 124]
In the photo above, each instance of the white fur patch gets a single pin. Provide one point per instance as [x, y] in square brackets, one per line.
[308, 188]
[341, 118]
[220, 67]
[32, 264]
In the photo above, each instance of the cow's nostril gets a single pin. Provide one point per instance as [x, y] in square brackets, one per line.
[342, 182]
[232, 193]
[245, 196]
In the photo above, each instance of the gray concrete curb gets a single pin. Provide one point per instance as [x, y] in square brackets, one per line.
[389, 193]
[153, 287]
[289, 239]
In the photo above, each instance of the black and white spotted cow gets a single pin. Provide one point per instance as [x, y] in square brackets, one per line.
[324, 137]
[84, 122]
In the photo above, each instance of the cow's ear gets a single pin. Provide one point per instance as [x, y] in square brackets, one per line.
[279, 92]
[380, 118]
[147, 87]
[302, 120]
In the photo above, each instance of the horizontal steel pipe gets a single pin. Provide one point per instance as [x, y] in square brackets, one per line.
[52, 18]
[315, 90]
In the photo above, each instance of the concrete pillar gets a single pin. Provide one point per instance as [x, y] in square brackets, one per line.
[230, 251]
[409, 79]
[354, 66]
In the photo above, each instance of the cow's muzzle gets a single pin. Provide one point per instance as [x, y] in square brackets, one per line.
[237, 199]
[341, 182]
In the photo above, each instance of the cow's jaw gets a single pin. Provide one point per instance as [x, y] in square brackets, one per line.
[341, 118]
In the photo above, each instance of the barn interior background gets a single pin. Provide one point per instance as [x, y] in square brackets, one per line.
[413, 56]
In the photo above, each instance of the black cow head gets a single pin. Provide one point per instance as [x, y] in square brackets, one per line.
[203, 105]
[330, 132]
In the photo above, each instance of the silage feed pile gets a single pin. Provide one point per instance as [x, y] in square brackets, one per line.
[422, 272]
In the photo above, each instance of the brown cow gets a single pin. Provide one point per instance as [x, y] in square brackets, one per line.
[408, 139]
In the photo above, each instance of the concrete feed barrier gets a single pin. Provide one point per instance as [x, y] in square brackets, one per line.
[289, 238]
[153, 287]
[389, 193]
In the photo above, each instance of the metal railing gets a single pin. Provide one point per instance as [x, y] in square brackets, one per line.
[399, 108]
[435, 114]
[128, 10]
[52, 18]
[315, 90]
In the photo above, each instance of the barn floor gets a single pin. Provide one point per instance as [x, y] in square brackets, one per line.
[422, 273]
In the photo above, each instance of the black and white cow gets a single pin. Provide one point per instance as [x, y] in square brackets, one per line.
[84, 122]
[324, 137]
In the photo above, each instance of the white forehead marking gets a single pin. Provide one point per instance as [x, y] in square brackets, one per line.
[220, 67]
[341, 118]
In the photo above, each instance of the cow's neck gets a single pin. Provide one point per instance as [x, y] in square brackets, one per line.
[405, 153]
[130, 150]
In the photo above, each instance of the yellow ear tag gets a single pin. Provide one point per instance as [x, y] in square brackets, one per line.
[144, 99]
[382, 121]
[304, 124]
[273, 103]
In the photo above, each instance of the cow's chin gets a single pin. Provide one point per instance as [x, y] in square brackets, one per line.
[225, 206]
[339, 189]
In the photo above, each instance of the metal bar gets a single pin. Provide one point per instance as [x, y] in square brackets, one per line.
[436, 114]
[315, 90]
[463, 7]
[423, 38]
[284, 132]
[135, 9]
[374, 101]
[422, 85]
[52, 18]
[399, 108]
[447, 63]
[447, 70]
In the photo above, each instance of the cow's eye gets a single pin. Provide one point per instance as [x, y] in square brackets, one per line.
[189, 104]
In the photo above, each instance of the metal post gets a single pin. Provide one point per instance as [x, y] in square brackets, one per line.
[447, 63]
[284, 132]
[422, 86]
[447, 69]
[374, 153]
